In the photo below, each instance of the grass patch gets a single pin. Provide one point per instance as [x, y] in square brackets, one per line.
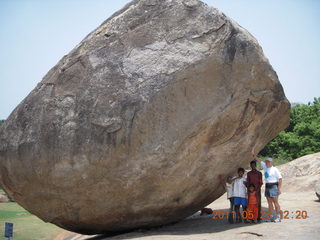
[26, 226]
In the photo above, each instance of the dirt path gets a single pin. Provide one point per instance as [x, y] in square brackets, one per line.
[203, 227]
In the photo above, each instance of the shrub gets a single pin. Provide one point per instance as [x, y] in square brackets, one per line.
[302, 137]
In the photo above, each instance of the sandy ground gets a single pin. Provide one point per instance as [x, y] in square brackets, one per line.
[203, 227]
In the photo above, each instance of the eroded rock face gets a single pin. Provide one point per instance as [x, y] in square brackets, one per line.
[301, 174]
[132, 127]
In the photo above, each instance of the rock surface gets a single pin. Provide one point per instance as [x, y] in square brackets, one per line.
[301, 174]
[133, 126]
[303, 166]
[3, 198]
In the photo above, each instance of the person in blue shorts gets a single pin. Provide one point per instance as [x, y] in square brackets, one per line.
[240, 194]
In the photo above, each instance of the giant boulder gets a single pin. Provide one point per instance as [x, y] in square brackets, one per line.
[132, 128]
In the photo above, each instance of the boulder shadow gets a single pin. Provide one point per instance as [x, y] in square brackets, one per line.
[194, 224]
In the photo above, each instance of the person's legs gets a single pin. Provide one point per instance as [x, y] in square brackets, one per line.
[231, 213]
[231, 204]
[244, 204]
[274, 193]
[255, 212]
[237, 210]
[244, 209]
[237, 203]
[249, 211]
[270, 204]
[276, 204]
[259, 205]
[270, 207]
[277, 207]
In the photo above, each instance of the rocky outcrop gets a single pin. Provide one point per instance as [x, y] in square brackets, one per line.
[301, 174]
[132, 128]
[304, 166]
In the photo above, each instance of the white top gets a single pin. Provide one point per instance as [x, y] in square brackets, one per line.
[272, 174]
[229, 190]
[239, 189]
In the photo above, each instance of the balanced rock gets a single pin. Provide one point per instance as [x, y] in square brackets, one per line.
[132, 128]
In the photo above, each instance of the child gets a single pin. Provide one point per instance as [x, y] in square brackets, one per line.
[252, 204]
[228, 186]
[240, 194]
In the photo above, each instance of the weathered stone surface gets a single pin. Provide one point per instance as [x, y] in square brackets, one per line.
[3, 198]
[301, 174]
[303, 166]
[133, 126]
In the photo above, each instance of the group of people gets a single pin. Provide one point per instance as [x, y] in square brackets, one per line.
[246, 192]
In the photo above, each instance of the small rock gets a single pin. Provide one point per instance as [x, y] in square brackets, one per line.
[3, 198]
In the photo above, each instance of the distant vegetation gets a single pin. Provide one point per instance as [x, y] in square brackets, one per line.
[302, 137]
[1, 122]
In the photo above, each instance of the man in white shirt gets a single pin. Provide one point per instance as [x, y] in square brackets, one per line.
[273, 186]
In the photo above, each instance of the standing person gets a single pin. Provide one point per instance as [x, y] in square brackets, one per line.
[273, 186]
[240, 195]
[252, 203]
[254, 177]
[228, 186]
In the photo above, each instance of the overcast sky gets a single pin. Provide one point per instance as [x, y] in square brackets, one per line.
[35, 34]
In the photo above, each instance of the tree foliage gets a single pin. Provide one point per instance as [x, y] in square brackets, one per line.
[302, 137]
[1, 122]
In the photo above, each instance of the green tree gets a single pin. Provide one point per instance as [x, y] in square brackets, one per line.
[302, 137]
[1, 122]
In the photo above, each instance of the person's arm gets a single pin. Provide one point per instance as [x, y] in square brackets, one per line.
[233, 179]
[245, 182]
[248, 181]
[263, 164]
[255, 157]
